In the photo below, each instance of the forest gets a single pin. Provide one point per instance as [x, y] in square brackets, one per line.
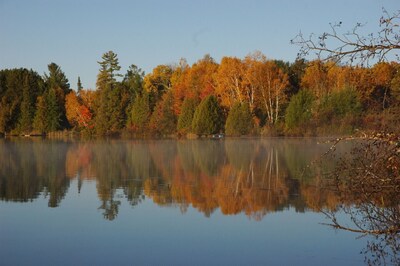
[253, 95]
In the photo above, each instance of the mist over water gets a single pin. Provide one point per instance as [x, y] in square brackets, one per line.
[239, 201]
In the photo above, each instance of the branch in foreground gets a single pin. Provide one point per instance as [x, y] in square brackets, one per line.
[351, 46]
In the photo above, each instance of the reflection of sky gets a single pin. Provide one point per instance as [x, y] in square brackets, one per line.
[76, 233]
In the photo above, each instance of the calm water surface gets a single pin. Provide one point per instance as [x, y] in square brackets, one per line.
[203, 202]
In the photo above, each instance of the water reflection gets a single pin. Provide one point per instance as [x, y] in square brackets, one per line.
[250, 176]
[367, 181]
[235, 175]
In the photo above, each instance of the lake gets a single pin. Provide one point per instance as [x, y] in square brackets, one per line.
[174, 202]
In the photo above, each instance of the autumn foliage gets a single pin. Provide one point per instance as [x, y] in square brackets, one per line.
[300, 98]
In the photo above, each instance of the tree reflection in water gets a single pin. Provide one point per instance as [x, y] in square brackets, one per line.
[252, 176]
[368, 183]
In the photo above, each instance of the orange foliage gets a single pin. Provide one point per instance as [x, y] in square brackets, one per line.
[78, 114]
[230, 81]
[315, 79]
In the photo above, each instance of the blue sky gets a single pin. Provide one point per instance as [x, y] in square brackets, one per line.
[75, 33]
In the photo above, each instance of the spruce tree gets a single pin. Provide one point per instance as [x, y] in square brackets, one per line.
[239, 120]
[163, 119]
[299, 110]
[39, 121]
[79, 85]
[57, 84]
[140, 113]
[207, 118]
[53, 114]
[27, 106]
[186, 116]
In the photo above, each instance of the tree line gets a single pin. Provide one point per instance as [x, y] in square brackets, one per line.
[253, 95]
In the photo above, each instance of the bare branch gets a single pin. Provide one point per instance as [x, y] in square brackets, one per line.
[352, 47]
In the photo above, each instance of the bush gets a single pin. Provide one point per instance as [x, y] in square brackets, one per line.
[239, 121]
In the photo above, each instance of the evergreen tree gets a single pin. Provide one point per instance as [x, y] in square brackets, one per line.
[133, 80]
[186, 116]
[19, 89]
[239, 120]
[338, 105]
[53, 114]
[108, 70]
[207, 118]
[56, 78]
[79, 85]
[57, 84]
[27, 107]
[39, 121]
[299, 110]
[117, 102]
[107, 98]
[163, 119]
[140, 113]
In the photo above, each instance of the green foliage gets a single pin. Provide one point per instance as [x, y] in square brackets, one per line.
[19, 89]
[56, 82]
[39, 121]
[117, 102]
[112, 99]
[299, 110]
[53, 114]
[56, 78]
[207, 118]
[79, 85]
[186, 117]
[140, 113]
[296, 72]
[27, 108]
[339, 104]
[239, 120]
[108, 70]
[163, 119]
[133, 80]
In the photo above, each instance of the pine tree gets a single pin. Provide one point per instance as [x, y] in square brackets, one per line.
[107, 99]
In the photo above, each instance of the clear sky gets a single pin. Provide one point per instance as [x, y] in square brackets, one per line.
[75, 33]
